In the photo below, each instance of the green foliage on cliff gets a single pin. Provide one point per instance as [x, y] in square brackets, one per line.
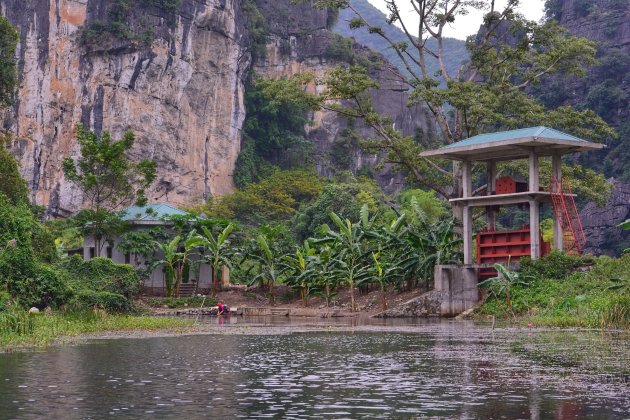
[127, 20]
[258, 30]
[8, 70]
[12, 185]
[273, 135]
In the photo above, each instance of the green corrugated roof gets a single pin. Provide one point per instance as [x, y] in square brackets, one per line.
[151, 212]
[543, 132]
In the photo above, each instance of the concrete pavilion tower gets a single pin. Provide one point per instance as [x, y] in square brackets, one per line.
[527, 143]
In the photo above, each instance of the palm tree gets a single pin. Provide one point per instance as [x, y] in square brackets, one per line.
[218, 249]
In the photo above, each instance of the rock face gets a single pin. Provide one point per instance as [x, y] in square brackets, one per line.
[600, 224]
[182, 95]
[302, 42]
[180, 89]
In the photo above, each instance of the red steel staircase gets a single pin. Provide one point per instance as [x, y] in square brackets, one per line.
[567, 214]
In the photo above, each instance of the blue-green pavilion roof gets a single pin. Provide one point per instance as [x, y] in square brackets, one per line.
[514, 144]
[156, 212]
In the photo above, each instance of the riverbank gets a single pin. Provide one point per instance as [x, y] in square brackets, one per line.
[20, 330]
[566, 292]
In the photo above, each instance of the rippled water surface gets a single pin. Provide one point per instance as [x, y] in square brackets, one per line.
[398, 370]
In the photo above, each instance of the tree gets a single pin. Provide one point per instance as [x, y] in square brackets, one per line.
[175, 257]
[489, 92]
[218, 249]
[301, 266]
[351, 240]
[108, 178]
[269, 266]
[8, 70]
[383, 274]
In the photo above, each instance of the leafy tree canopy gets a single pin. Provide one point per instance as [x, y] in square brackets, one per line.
[488, 93]
[108, 179]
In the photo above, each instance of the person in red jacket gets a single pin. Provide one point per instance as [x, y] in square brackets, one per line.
[222, 309]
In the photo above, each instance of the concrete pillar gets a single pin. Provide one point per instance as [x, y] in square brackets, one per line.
[534, 176]
[556, 172]
[225, 277]
[467, 235]
[534, 227]
[467, 178]
[491, 175]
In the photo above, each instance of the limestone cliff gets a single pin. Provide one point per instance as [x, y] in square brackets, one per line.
[176, 78]
[181, 93]
[300, 41]
[603, 236]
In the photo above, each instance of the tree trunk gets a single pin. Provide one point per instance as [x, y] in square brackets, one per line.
[352, 296]
[383, 299]
[213, 286]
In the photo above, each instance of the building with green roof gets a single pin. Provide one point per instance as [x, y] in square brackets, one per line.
[139, 218]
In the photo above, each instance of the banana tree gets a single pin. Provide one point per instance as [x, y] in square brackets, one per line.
[352, 239]
[383, 274]
[327, 278]
[503, 283]
[169, 260]
[175, 258]
[301, 269]
[429, 244]
[268, 264]
[218, 252]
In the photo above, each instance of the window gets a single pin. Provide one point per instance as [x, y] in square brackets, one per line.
[109, 252]
[92, 252]
[127, 258]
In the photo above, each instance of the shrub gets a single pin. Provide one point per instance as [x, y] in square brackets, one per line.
[101, 275]
[43, 287]
[556, 265]
[111, 302]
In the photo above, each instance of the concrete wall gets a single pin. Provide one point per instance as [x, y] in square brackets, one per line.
[457, 285]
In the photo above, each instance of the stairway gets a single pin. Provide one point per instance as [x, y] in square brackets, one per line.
[187, 289]
[566, 213]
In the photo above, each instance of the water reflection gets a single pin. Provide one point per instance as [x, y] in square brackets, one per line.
[443, 369]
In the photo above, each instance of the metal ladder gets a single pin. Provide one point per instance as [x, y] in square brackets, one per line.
[566, 213]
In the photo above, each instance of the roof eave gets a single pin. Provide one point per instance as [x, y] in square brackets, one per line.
[465, 152]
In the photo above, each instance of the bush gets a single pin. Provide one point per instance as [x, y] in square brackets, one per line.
[111, 302]
[556, 265]
[44, 287]
[101, 275]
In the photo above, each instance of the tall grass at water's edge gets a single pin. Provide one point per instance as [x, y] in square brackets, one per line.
[19, 329]
[583, 297]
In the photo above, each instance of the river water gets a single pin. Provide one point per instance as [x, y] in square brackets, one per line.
[274, 368]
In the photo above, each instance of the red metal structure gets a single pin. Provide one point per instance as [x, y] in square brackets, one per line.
[567, 214]
[508, 185]
[501, 246]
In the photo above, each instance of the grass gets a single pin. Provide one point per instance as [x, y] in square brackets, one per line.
[584, 299]
[19, 329]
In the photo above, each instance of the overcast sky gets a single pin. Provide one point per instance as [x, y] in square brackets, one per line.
[469, 24]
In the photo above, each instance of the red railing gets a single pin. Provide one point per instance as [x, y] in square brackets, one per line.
[566, 213]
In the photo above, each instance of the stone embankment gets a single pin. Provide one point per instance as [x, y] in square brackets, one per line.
[263, 311]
